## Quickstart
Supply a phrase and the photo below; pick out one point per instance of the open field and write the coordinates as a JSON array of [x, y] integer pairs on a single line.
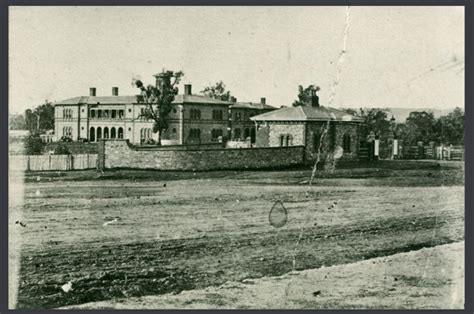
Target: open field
[[393, 282], [184, 231]]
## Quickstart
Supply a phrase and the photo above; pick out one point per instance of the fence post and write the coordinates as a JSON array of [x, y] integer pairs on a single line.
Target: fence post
[[28, 162], [49, 168]]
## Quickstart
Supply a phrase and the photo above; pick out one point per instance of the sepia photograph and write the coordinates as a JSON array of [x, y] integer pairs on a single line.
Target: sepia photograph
[[236, 157]]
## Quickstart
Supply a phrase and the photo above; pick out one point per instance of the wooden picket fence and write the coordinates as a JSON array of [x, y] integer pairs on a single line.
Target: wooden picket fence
[[53, 162]]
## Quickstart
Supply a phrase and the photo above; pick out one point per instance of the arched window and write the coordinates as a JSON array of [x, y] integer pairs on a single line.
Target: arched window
[[316, 142], [92, 135], [237, 134], [148, 134], [112, 133], [252, 135], [289, 140], [99, 133], [142, 135], [106, 132], [120, 133], [246, 133], [346, 143]]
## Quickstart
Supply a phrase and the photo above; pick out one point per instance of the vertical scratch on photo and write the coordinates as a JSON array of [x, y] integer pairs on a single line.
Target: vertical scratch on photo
[[325, 130]]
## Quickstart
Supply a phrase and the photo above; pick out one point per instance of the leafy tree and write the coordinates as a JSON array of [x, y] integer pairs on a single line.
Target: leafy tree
[[158, 100], [420, 126], [305, 94], [62, 149], [17, 122], [450, 128], [34, 145], [41, 118], [217, 91], [375, 120]]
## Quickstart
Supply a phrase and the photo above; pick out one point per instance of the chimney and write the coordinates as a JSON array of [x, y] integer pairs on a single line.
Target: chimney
[[187, 89], [263, 100], [114, 91], [92, 91], [314, 99]]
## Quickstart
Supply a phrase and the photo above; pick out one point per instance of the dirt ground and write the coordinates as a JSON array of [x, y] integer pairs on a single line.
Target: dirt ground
[[131, 234], [393, 282]]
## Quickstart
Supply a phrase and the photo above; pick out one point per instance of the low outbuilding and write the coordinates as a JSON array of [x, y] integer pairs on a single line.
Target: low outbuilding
[[332, 131]]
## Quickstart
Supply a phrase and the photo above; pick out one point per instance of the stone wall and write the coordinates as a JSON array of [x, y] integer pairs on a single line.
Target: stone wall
[[119, 154]]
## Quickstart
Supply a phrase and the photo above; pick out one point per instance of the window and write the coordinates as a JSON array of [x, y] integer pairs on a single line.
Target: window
[[217, 115], [174, 130], [106, 114], [114, 113], [238, 116], [82, 110], [252, 135], [346, 143], [237, 134], [67, 131], [195, 114], [129, 110], [99, 115], [215, 133], [92, 114], [82, 128], [283, 140], [92, 135], [145, 135], [289, 140], [67, 113], [317, 142], [120, 133], [121, 113], [246, 133], [106, 132], [99, 133], [112, 133], [129, 129]]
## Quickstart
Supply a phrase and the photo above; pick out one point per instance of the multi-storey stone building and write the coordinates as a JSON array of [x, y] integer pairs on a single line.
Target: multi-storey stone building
[[194, 119]]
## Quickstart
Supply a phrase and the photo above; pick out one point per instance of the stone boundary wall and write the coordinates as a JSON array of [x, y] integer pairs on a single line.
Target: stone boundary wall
[[120, 154]]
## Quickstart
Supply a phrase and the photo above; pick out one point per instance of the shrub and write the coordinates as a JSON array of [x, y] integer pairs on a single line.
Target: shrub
[[34, 145], [62, 149], [65, 139]]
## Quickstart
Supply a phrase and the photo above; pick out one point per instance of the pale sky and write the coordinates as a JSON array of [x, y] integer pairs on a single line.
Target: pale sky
[[406, 57]]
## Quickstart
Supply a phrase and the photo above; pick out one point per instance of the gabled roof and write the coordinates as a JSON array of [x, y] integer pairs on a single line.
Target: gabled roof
[[251, 105], [306, 113]]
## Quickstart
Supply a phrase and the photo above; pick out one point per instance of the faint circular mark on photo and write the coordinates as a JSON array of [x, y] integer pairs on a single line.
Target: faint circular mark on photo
[[278, 216]]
